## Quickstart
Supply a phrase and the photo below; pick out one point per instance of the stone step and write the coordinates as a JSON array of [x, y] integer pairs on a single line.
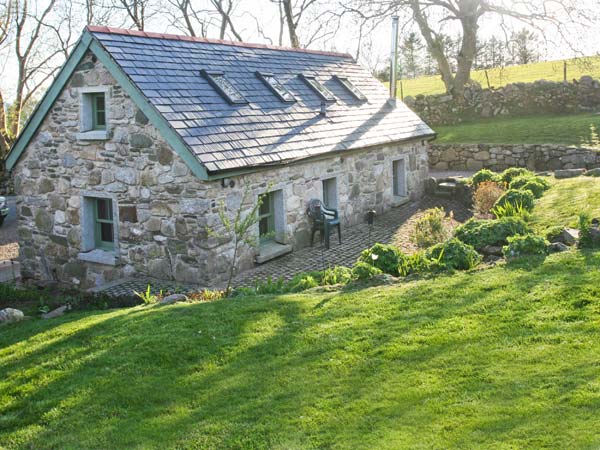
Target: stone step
[[444, 194], [446, 186]]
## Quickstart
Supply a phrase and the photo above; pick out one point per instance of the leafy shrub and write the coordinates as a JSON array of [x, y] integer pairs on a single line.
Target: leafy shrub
[[336, 275], [149, 297], [385, 257], [486, 195], [364, 271], [518, 198], [525, 245], [513, 172], [553, 233], [303, 281], [510, 210], [536, 185], [585, 232], [453, 255], [430, 229], [207, 295], [479, 233], [484, 176]]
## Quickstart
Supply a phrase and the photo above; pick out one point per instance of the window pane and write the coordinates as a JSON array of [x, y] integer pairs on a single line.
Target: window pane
[[265, 207], [106, 232], [104, 209], [263, 226], [350, 87], [323, 92], [100, 102]]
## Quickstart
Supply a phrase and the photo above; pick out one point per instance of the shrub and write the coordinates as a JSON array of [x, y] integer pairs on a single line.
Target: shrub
[[536, 185], [586, 239], [364, 271], [483, 176], [148, 297], [385, 257], [479, 233], [509, 210], [206, 295], [486, 195], [430, 229], [525, 245], [453, 255], [336, 275], [513, 172], [553, 233], [517, 198]]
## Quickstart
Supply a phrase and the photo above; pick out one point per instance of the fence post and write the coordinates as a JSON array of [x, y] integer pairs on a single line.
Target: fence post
[[565, 71]]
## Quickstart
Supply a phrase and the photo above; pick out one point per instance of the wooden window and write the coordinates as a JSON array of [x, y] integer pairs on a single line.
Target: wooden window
[[98, 112], [266, 215], [330, 193], [104, 232], [399, 177]]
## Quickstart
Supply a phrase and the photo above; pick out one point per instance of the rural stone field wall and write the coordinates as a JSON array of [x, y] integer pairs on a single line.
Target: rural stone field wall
[[515, 99], [539, 157]]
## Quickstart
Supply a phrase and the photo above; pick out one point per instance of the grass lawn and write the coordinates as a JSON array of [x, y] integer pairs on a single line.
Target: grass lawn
[[550, 70], [502, 358], [579, 129]]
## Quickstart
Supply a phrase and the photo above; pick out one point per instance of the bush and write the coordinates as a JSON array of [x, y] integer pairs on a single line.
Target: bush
[[453, 255], [336, 275], [364, 271], [586, 239], [386, 258], [525, 245], [479, 233], [517, 198], [509, 210], [553, 233], [486, 195], [483, 176], [513, 172], [536, 185], [430, 229]]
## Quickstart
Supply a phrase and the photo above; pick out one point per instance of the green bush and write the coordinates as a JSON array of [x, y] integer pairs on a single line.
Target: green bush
[[585, 234], [386, 258], [336, 275], [553, 233], [536, 185], [453, 255], [479, 233], [430, 228], [364, 271], [510, 210], [513, 172], [525, 245], [518, 199], [482, 176]]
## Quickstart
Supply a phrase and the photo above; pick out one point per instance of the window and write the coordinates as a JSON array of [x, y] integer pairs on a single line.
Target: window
[[104, 231], [266, 216], [276, 87], [94, 117], [224, 87], [321, 90], [351, 88], [330, 193], [399, 177], [98, 112]]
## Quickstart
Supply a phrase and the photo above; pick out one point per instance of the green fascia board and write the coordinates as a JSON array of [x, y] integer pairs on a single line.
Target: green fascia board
[[43, 107], [86, 42]]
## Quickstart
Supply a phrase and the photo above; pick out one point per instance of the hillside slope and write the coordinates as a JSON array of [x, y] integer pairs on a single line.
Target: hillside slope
[[501, 358]]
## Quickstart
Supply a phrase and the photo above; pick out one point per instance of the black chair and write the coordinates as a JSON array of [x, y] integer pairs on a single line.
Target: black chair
[[323, 220]]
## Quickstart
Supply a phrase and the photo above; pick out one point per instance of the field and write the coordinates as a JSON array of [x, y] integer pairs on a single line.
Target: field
[[550, 70], [577, 130]]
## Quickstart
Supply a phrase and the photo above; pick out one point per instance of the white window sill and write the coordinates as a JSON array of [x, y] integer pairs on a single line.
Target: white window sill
[[398, 200], [99, 257], [94, 135], [270, 250]]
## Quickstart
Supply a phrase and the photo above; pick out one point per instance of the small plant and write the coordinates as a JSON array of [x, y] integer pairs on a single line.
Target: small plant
[[414, 264], [431, 228], [518, 198], [364, 271], [586, 239], [525, 245], [148, 297], [206, 295], [536, 185], [453, 255], [480, 233], [483, 176], [336, 275], [513, 172], [510, 210], [486, 195], [387, 258]]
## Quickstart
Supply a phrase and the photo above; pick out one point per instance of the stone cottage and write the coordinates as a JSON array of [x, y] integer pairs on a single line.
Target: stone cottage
[[124, 163]]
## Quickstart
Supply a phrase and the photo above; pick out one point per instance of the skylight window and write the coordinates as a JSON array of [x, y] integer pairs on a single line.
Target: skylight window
[[321, 90], [224, 87], [351, 88], [278, 89]]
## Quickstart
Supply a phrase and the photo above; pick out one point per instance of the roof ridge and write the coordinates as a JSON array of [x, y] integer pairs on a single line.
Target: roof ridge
[[180, 37]]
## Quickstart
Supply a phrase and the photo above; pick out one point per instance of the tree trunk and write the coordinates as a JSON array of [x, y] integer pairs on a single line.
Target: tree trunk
[[466, 55], [289, 17]]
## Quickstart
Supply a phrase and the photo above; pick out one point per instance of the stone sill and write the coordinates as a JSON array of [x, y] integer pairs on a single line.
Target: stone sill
[[271, 250], [94, 135], [399, 201], [99, 257]]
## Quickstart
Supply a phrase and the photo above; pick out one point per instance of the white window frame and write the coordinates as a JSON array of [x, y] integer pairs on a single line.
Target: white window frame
[[399, 192], [334, 180], [279, 215], [86, 131], [89, 251]]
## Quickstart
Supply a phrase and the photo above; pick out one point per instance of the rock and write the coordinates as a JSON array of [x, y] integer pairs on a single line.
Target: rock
[[492, 259], [492, 250], [55, 313], [556, 247], [568, 173], [139, 140], [10, 315], [593, 172], [174, 298], [568, 236]]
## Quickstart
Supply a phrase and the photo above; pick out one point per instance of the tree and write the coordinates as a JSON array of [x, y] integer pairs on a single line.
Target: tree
[[411, 49], [138, 11], [524, 45]]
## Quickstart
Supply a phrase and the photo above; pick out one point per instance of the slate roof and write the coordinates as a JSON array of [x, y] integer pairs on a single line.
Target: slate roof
[[266, 130]]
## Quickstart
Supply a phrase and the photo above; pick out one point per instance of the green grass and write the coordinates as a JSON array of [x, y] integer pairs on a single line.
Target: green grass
[[578, 130], [494, 359], [550, 70], [565, 200]]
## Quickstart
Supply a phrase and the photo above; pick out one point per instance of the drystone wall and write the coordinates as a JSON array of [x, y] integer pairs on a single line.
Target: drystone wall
[[515, 99]]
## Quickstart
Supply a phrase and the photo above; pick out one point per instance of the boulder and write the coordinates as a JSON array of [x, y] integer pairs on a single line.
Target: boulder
[[568, 173], [593, 172], [491, 250], [173, 298], [568, 236], [556, 247], [10, 315], [55, 313]]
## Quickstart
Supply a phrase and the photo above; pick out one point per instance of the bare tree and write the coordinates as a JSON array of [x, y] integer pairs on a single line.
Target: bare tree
[[225, 9], [190, 19], [138, 11]]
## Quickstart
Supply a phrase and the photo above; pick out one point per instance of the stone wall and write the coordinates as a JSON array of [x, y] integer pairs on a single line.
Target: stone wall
[[162, 209], [499, 157], [515, 99]]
